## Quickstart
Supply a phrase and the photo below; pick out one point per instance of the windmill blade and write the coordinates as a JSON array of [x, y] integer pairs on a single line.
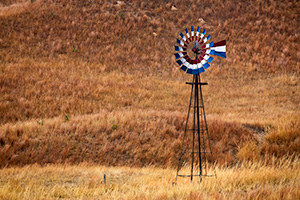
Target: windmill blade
[[184, 67], [188, 70], [199, 59], [181, 61], [198, 31], [192, 32], [208, 58], [220, 49], [177, 48], [205, 39], [187, 33], [202, 35], [183, 37], [205, 64], [208, 45], [195, 69], [180, 42], [200, 68], [192, 69], [178, 55]]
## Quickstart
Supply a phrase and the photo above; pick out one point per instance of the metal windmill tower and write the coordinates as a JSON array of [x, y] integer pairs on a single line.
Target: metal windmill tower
[[193, 55]]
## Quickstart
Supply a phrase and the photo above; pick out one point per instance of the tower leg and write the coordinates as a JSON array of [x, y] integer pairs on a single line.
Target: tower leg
[[198, 122]]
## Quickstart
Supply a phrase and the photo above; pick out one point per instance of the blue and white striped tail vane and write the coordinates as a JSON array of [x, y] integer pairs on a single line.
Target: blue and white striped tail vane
[[204, 49], [219, 48]]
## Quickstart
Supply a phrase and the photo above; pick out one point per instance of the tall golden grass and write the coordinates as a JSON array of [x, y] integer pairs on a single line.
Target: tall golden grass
[[250, 180]]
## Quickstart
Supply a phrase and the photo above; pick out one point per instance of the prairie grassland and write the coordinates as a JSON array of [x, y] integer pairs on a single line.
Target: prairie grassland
[[138, 138], [76, 58], [249, 180], [35, 89], [95, 82], [66, 112]]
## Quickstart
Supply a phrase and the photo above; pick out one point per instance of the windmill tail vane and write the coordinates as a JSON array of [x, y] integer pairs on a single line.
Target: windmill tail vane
[[204, 51], [219, 48]]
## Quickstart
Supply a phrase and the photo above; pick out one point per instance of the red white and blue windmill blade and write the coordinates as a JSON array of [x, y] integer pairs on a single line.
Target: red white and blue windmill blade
[[204, 49]]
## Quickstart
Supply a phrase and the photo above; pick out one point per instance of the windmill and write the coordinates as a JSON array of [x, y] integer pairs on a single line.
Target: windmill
[[193, 54]]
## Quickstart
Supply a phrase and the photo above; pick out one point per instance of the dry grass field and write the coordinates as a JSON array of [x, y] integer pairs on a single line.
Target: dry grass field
[[248, 181], [91, 87]]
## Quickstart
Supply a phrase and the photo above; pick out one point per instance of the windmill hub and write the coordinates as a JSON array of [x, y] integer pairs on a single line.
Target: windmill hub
[[193, 50]]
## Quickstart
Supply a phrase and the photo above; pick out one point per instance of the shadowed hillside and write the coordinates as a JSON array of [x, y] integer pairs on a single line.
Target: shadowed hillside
[[93, 80]]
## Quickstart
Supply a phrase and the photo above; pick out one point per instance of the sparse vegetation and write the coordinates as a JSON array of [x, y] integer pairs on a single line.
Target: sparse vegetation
[[95, 82]]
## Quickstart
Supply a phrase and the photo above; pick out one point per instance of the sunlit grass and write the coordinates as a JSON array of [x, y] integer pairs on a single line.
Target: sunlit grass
[[246, 181]]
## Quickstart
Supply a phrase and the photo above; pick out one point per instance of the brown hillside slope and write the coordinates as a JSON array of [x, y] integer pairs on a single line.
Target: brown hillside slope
[[54, 50], [132, 138], [71, 70]]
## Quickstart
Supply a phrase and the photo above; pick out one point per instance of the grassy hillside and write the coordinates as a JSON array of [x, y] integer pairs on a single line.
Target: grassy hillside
[[96, 81], [58, 57]]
